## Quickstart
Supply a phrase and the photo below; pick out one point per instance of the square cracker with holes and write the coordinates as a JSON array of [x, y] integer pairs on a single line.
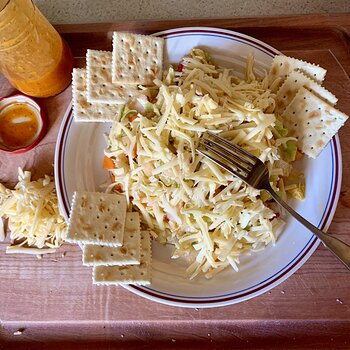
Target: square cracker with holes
[[128, 253], [97, 218], [312, 121], [84, 111], [283, 65], [291, 86], [128, 274], [136, 59], [99, 87]]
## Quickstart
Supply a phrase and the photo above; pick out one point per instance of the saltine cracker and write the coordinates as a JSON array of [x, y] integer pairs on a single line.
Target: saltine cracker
[[99, 86], [84, 111], [97, 218], [291, 86], [128, 274], [136, 59], [283, 65], [128, 253], [313, 121]]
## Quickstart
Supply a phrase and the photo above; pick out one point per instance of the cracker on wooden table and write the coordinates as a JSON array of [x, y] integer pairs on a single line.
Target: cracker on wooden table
[[128, 274], [313, 121], [291, 86], [136, 59], [85, 111], [283, 65], [97, 218], [128, 253], [100, 87]]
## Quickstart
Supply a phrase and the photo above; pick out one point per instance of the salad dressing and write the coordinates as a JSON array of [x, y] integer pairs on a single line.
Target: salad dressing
[[33, 56], [18, 125]]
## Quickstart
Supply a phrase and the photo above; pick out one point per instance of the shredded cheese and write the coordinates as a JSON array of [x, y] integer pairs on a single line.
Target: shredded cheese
[[34, 219], [211, 217]]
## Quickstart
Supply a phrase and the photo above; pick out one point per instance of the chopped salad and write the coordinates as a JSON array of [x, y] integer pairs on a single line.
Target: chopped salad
[[211, 217]]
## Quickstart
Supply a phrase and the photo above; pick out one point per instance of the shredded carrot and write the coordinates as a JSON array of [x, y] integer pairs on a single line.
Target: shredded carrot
[[134, 151], [219, 189], [117, 187], [298, 155], [108, 163], [133, 117]]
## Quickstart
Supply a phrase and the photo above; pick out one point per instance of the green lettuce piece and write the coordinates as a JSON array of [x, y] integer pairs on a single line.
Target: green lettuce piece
[[206, 219], [289, 151], [265, 196], [122, 113], [148, 106], [126, 111], [274, 179], [298, 179], [156, 110], [280, 130], [298, 193], [208, 58]]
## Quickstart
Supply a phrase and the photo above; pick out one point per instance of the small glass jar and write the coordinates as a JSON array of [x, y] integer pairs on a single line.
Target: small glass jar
[[33, 56]]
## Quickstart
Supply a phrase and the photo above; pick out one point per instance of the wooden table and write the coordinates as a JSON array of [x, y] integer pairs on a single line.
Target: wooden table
[[55, 304]]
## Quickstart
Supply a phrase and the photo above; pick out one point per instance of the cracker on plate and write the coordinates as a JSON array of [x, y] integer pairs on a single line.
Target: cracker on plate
[[100, 87], [128, 253], [128, 274], [291, 86], [97, 218], [313, 121], [283, 65], [85, 111], [136, 59]]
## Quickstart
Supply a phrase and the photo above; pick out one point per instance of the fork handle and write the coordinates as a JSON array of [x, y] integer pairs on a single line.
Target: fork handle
[[340, 249]]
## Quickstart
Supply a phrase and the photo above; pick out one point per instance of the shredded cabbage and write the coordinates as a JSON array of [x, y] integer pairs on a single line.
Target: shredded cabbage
[[210, 216]]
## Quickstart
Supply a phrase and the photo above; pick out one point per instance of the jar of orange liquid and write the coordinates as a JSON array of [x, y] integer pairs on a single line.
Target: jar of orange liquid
[[33, 56]]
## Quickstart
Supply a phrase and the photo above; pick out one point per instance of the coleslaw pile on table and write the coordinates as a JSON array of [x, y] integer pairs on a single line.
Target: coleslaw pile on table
[[210, 216]]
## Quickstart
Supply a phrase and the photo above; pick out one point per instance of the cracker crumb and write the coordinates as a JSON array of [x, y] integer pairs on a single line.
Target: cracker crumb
[[19, 331]]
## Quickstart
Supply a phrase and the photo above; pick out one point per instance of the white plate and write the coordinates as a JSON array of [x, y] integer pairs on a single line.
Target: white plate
[[78, 166]]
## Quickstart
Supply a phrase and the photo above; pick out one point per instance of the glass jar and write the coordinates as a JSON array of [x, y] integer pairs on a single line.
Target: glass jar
[[33, 56]]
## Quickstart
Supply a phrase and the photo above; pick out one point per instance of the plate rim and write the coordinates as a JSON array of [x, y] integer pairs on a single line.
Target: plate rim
[[281, 275]]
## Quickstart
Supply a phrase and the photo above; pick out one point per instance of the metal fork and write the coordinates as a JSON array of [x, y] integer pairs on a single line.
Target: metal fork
[[253, 172]]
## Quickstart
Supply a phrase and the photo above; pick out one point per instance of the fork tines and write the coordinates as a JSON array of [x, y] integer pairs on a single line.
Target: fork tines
[[233, 158]]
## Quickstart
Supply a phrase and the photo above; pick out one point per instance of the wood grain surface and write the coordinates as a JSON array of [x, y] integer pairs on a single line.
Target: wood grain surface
[[53, 302]]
